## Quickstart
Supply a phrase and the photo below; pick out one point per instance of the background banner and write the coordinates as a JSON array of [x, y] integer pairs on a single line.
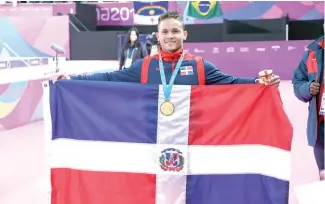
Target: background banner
[[26, 10], [25, 62], [121, 13], [33, 37], [246, 59]]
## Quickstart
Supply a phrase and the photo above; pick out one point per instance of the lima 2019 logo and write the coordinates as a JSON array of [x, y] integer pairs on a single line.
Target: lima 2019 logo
[[171, 159]]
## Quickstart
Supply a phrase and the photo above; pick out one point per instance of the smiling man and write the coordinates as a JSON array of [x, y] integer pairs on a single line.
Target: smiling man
[[172, 65]]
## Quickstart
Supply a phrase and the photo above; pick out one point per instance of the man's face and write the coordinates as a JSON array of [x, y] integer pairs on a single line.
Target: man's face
[[171, 35]]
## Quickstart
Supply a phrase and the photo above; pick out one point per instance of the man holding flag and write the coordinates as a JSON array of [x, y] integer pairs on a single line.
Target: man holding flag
[[171, 60], [150, 145]]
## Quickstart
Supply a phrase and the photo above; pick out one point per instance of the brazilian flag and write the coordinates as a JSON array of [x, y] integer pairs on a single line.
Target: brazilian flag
[[204, 9]]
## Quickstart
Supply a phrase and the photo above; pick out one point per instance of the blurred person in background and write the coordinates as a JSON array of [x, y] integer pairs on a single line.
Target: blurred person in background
[[152, 44], [132, 49], [308, 83]]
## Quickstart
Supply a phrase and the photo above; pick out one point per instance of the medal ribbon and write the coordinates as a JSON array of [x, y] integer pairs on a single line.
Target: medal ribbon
[[128, 53], [168, 88]]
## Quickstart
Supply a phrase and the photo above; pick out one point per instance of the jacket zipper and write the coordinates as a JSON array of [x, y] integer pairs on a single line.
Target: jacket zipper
[[173, 64]]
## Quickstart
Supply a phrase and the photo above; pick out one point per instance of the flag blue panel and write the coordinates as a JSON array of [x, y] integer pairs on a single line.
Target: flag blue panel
[[236, 189], [104, 111]]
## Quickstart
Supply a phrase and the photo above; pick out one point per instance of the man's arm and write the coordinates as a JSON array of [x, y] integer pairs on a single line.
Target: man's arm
[[132, 74], [300, 81], [215, 76]]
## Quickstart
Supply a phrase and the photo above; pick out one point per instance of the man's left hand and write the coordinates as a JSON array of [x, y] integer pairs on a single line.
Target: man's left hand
[[273, 81]]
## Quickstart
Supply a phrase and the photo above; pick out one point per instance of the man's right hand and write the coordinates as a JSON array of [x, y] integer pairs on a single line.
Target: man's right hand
[[314, 88], [56, 76]]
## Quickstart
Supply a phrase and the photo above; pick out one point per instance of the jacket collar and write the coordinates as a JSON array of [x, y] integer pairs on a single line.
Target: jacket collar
[[317, 45], [170, 57]]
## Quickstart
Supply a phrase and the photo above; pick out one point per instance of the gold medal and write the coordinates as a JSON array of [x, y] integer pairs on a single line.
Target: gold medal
[[167, 108]]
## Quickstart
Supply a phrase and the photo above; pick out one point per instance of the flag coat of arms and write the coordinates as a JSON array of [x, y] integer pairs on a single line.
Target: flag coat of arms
[[147, 13], [109, 143]]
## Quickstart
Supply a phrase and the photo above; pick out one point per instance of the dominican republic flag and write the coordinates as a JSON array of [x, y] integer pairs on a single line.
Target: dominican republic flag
[[109, 144], [187, 70]]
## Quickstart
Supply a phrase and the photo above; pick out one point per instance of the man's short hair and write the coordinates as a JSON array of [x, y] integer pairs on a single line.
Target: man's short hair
[[171, 14]]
